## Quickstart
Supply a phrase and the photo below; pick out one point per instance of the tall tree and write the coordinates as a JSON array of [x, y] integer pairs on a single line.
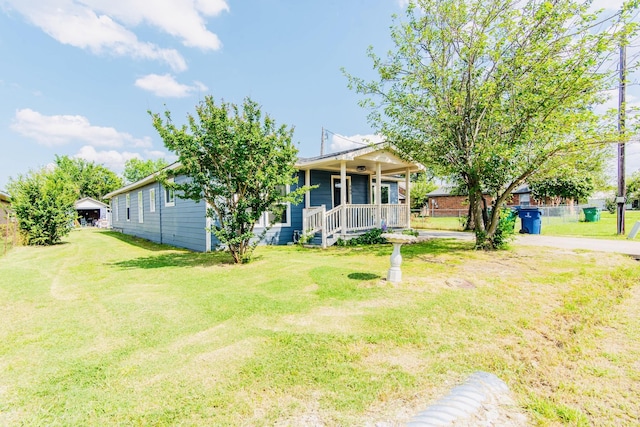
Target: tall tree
[[633, 186], [571, 177], [136, 169], [486, 92], [88, 178], [43, 204], [239, 161]]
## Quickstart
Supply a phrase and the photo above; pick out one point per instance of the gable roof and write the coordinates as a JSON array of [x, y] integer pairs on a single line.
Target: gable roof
[[144, 181], [4, 197], [363, 160], [89, 203]]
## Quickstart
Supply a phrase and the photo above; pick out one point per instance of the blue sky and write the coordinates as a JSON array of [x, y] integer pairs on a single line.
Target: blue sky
[[78, 76]]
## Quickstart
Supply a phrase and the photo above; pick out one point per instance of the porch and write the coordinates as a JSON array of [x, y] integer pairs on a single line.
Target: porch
[[345, 220], [357, 190]]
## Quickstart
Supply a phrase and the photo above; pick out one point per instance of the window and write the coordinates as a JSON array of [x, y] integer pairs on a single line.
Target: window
[[140, 207], [115, 209], [152, 200], [128, 206], [385, 192], [169, 196], [335, 184], [281, 218]]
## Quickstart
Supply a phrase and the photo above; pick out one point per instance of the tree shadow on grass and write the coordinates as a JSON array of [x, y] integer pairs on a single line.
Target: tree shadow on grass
[[137, 241], [177, 259], [363, 276]]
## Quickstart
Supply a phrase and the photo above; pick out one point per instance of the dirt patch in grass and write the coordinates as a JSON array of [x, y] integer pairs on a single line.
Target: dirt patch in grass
[[331, 319]]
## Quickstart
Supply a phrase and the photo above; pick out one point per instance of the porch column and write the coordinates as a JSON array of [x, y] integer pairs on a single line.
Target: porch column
[[343, 197], [307, 183], [407, 195], [379, 194]]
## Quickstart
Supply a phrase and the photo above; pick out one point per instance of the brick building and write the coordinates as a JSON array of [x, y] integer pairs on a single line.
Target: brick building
[[443, 203]]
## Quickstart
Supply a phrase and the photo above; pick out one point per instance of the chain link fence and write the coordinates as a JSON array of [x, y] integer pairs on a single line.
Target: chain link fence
[[550, 214]]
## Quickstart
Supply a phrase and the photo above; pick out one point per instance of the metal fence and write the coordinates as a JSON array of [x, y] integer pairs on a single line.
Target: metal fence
[[555, 214]]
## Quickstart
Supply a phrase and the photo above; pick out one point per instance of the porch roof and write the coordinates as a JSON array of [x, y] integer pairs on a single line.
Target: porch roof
[[362, 160]]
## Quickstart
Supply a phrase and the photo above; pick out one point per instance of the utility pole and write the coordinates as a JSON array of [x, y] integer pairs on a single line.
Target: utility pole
[[322, 143], [622, 191]]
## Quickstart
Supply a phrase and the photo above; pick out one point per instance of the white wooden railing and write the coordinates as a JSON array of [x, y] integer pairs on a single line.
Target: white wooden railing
[[332, 219], [313, 219], [361, 217], [358, 217]]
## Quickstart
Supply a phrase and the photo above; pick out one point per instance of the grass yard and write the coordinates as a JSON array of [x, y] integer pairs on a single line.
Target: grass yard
[[605, 228], [109, 330]]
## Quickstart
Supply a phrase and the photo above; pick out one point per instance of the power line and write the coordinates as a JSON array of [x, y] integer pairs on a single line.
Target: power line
[[346, 139]]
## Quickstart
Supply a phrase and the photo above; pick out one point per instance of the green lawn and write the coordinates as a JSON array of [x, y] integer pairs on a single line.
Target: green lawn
[[109, 330], [605, 228]]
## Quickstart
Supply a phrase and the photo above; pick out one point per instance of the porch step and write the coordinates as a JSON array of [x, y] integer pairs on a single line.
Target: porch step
[[331, 240]]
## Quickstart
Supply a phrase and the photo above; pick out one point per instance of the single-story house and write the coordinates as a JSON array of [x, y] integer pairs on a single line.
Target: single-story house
[[443, 203], [92, 212], [356, 190], [5, 207]]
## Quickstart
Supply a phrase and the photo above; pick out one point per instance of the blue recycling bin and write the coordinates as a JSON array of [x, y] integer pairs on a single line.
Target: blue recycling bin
[[531, 220]]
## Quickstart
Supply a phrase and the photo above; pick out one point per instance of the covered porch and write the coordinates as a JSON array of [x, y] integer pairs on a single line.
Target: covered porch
[[377, 169]]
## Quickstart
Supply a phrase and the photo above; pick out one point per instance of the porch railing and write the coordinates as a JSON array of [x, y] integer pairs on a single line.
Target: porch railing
[[313, 219], [358, 218]]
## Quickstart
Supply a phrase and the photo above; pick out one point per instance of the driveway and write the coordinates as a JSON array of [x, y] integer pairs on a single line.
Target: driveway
[[627, 247]]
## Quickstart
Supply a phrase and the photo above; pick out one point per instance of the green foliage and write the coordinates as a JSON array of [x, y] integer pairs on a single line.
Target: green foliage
[[487, 92], [633, 186], [503, 235], [239, 161], [562, 188], [136, 169], [88, 178], [43, 202], [611, 205], [410, 232], [570, 177], [419, 190], [371, 237]]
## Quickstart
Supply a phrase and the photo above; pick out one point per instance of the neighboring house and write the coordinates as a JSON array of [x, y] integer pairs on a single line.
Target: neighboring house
[[92, 212], [443, 203], [5, 207], [356, 190]]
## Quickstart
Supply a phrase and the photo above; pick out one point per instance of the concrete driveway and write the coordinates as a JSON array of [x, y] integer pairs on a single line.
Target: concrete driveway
[[627, 247]]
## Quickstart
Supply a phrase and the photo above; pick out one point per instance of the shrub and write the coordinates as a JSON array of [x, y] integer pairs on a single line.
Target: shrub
[[371, 237]]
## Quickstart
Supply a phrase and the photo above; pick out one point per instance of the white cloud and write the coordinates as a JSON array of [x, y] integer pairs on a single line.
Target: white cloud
[[108, 25], [341, 143], [167, 86], [112, 159], [182, 19], [115, 160], [63, 129]]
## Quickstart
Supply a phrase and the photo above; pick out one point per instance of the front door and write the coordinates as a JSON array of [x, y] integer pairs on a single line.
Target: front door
[[335, 183]]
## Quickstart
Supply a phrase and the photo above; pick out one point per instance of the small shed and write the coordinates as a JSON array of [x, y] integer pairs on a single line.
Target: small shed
[[92, 212]]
